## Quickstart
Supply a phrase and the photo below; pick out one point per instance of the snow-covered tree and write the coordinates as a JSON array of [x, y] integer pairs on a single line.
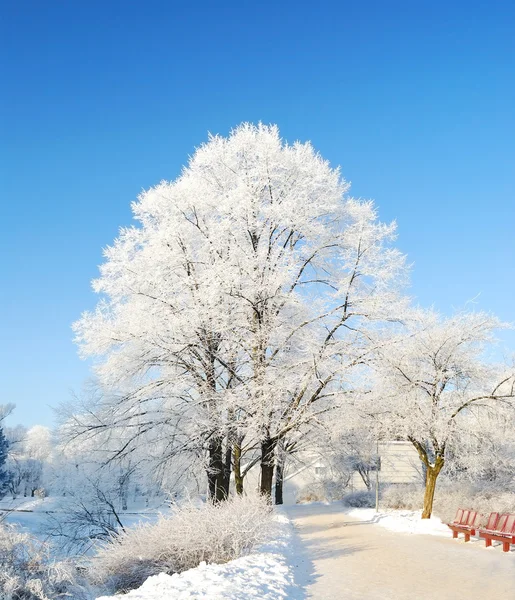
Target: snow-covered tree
[[4, 473], [430, 380], [237, 309], [5, 447], [29, 456], [484, 452], [38, 443]]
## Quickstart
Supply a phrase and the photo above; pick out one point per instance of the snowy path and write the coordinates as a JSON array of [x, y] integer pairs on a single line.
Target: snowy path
[[347, 559]]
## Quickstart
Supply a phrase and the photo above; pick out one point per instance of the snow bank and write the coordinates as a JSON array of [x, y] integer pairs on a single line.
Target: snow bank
[[261, 575], [402, 521], [265, 575]]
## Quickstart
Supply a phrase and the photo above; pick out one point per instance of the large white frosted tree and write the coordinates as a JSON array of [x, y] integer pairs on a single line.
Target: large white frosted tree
[[432, 377], [241, 300]]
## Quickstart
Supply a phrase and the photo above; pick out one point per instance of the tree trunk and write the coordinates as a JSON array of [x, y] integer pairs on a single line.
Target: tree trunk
[[431, 476], [124, 489], [279, 479], [267, 467], [215, 471], [432, 471], [227, 470], [365, 477], [238, 478]]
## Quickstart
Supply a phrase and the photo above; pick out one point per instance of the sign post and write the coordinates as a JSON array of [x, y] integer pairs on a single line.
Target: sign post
[[377, 478]]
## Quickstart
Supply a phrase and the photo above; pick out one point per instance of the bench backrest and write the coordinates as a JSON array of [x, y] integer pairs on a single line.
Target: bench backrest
[[509, 525], [501, 524], [492, 520], [471, 521], [464, 517], [459, 515]]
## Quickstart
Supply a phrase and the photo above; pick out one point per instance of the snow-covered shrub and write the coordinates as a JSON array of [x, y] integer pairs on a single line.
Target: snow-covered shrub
[[312, 492], [361, 499], [28, 572], [408, 496], [449, 496], [320, 491], [483, 498], [214, 533]]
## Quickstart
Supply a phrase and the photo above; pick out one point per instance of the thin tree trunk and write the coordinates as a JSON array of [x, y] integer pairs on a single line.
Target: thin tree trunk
[[125, 494], [227, 469], [124, 488], [429, 494], [279, 479], [267, 467], [365, 477], [238, 477]]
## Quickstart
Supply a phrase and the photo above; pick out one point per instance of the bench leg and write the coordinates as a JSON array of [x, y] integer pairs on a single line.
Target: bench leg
[[506, 546], [467, 537], [488, 542], [454, 535]]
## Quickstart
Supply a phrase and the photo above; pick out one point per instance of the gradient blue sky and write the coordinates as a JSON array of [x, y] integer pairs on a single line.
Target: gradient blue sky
[[415, 100]]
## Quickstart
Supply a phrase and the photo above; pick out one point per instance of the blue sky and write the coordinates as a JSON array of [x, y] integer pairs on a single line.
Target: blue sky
[[415, 101]]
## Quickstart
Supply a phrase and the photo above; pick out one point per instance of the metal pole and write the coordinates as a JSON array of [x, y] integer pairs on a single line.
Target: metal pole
[[377, 477]]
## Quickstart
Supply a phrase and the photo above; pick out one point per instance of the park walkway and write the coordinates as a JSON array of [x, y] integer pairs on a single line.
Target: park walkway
[[342, 558]]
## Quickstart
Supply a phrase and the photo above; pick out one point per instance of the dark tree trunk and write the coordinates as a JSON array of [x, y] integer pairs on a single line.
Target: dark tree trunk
[[267, 467], [227, 469], [279, 479], [238, 477], [215, 471], [216, 465], [365, 477]]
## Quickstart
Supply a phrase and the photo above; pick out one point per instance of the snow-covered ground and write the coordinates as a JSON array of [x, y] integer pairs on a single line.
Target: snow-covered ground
[[269, 574], [264, 575], [31, 513], [28, 513], [355, 558], [402, 521], [26, 504], [45, 518]]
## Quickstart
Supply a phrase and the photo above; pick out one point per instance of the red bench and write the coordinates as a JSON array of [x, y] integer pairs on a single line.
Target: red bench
[[466, 522], [500, 529]]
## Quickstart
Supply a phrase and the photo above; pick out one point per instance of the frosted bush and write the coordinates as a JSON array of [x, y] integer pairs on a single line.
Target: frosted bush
[[28, 572], [361, 499], [313, 492], [449, 496], [321, 491], [214, 533], [482, 498], [408, 496]]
